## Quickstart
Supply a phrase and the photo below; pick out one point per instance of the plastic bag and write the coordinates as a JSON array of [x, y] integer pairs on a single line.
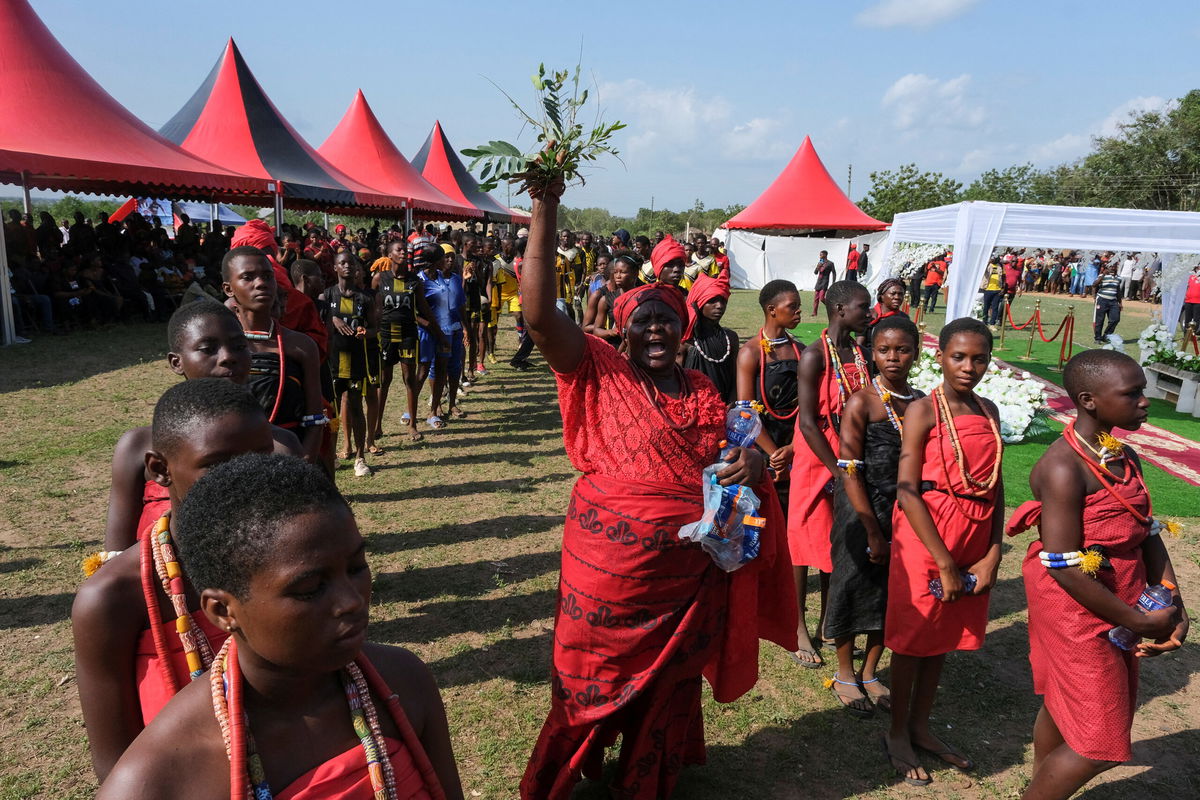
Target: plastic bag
[[729, 530]]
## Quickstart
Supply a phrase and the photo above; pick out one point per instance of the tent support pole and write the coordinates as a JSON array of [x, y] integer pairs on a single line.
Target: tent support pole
[[326, 218], [212, 215], [278, 211], [25, 194], [9, 322], [408, 219]]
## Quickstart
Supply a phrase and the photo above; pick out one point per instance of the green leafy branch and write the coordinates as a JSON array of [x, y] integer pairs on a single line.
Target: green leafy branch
[[563, 144]]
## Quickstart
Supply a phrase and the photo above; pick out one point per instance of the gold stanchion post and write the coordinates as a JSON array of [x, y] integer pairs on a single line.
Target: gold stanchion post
[[1003, 325], [1037, 310]]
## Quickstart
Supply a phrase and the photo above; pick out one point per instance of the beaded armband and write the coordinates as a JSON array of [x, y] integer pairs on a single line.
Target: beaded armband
[[850, 466], [312, 420], [1088, 561]]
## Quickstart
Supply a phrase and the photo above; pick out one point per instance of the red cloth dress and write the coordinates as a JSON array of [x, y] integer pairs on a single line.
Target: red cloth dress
[[810, 506], [155, 502], [641, 615], [153, 692], [1089, 685], [917, 623]]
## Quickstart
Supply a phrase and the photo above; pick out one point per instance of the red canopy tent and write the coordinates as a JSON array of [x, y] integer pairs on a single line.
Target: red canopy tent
[[804, 198], [360, 148], [441, 166], [231, 121], [61, 130]]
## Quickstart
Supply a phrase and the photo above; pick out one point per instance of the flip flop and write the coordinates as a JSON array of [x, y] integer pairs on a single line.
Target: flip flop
[[795, 656], [903, 773], [405, 418], [436, 422], [847, 703], [416, 436], [375, 450], [881, 701], [949, 751], [457, 413]]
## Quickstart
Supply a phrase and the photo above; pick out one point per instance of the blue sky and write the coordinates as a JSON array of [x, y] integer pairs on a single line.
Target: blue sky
[[717, 95]]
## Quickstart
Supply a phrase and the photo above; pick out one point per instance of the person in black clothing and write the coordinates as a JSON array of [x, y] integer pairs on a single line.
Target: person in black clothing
[[401, 307], [707, 347], [824, 272], [351, 318]]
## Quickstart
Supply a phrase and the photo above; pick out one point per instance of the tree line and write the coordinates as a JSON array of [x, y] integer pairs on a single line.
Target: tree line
[[1151, 162]]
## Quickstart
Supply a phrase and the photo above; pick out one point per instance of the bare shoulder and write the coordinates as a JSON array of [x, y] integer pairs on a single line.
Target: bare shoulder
[[409, 677], [991, 407], [1057, 470], [113, 594], [749, 353], [299, 345], [130, 452], [183, 740], [286, 442]]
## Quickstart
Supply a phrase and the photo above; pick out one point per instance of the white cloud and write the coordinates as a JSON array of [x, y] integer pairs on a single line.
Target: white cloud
[[919, 99], [911, 13], [1072, 145], [679, 125]]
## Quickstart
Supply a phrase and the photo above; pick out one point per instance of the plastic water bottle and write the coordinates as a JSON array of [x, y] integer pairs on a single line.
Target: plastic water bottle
[[968, 578], [1153, 598], [742, 427]]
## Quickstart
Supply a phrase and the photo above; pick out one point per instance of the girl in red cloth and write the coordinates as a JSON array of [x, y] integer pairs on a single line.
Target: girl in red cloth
[[830, 371], [945, 525], [129, 658], [641, 615], [1090, 497], [305, 709], [204, 340]]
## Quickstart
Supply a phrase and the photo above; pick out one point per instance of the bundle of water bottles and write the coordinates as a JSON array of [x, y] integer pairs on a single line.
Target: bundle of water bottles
[[730, 528]]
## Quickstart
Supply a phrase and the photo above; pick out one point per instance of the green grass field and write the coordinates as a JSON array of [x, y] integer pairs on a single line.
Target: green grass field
[[464, 531]]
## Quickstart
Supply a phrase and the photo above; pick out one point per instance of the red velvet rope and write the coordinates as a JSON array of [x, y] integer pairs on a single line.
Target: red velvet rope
[[1014, 324], [1042, 334], [1064, 350]]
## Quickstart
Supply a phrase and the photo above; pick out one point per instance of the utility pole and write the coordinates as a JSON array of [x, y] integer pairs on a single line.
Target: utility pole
[[651, 231], [849, 178]]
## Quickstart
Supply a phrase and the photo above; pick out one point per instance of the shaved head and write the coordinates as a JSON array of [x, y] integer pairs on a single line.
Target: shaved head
[[1089, 370]]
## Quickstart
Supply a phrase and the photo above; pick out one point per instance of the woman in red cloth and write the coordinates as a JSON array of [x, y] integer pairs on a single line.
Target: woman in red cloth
[[304, 707], [1090, 497], [129, 657], [641, 615], [830, 371], [945, 525]]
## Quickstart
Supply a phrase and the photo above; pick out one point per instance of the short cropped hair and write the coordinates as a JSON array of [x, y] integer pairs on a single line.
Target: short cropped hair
[[898, 322], [188, 313], [773, 290], [842, 292], [964, 325], [302, 267], [227, 525], [186, 405], [1089, 368], [244, 251]]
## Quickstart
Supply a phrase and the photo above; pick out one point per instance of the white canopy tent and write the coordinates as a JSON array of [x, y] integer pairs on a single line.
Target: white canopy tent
[[976, 228], [757, 258]]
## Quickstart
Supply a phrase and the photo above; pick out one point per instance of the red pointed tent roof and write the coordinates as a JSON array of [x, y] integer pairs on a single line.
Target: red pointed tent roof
[[65, 132], [441, 166], [231, 121], [360, 148], [804, 196]]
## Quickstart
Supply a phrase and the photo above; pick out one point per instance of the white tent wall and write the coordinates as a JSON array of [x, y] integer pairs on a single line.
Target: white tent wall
[[755, 258], [976, 228]]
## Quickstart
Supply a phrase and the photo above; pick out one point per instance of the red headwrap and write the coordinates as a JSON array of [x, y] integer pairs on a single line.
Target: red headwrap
[[705, 288], [628, 302], [665, 251], [254, 233]]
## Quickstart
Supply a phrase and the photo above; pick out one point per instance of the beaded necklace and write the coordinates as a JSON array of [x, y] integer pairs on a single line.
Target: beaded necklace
[[885, 397], [196, 647], [839, 371], [768, 346], [974, 488], [710, 359], [1107, 479], [655, 397], [261, 336], [246, 774]]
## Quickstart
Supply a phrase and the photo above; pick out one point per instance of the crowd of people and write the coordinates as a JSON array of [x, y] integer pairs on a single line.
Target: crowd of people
[[229, 606]]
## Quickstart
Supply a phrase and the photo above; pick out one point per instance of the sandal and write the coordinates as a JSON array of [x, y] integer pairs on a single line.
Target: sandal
[[375, 450], [405, 418], [941, 755], [795, 656], [883, 700], [436, 422], [415, 436], [848, 702], [904, 767]]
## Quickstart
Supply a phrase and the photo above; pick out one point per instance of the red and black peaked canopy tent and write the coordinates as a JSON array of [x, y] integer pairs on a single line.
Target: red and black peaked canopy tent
[[804, 197], [361, 148], [231, 121], [441, 166], [63, 131]]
